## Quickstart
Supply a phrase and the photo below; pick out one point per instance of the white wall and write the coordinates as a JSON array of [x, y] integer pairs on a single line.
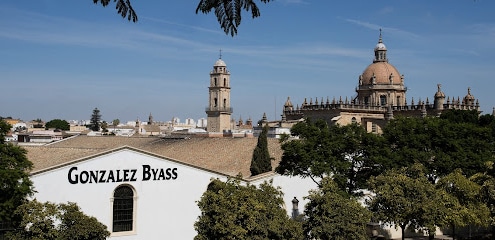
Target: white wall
[[166, 209]]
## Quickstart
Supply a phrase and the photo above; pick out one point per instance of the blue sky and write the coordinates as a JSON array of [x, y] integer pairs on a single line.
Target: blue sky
[[61, 59]]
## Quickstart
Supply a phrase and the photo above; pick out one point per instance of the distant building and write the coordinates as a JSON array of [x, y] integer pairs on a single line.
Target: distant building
[[77, 128], [11, 121], [202, 123], [40, 137], [381, 95]]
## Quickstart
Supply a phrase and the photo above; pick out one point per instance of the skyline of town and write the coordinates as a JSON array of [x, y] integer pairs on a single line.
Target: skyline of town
[[60, 61]]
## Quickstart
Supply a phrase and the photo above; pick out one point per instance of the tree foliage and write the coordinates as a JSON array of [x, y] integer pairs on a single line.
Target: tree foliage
[[347, 153], [115, 122], [47, 221], [57, 124], [440, 144], [230, 210], [95, 120], [486, 181], [261, 161], [461, 116], [228, 12], [331, 214], [405, 197], [470, 209], [14, 177], [123, 7]]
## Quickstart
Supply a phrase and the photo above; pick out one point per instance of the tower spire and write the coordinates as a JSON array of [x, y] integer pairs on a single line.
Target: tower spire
[[220, 54], [380, 50], [380, 40]]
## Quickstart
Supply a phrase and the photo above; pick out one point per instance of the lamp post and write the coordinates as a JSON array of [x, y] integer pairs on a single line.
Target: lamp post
[[295, 208]]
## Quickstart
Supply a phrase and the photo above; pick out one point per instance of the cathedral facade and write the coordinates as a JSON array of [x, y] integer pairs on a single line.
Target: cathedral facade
[[381, 95]]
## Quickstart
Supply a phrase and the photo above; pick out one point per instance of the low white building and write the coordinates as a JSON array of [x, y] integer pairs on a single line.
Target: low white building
[[147, 187]]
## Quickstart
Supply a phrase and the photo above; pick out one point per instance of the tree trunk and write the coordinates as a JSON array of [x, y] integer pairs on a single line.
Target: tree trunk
[[431, 236], [453, 231]]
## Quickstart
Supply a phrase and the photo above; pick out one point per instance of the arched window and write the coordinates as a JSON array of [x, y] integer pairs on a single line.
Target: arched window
[[353, 120], [383, 100], [225, 82], [215, 102], [123, 209]]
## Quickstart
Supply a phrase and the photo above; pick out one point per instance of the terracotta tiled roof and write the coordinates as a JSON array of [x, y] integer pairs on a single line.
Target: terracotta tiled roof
[[228, 156], [382, 72]]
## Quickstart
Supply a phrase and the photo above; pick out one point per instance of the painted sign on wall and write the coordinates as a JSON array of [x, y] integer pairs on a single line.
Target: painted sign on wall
[[147, 173]]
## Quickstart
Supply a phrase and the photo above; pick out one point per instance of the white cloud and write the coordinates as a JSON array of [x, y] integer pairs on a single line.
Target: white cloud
[[388, 30]]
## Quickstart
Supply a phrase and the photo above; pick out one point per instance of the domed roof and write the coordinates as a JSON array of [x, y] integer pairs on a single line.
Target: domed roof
[[439, 93], [382, 72], [220, 63], [380, 46], [469, 97]]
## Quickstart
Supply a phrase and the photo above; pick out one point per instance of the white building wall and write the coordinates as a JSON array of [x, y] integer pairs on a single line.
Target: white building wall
[[165, 209]]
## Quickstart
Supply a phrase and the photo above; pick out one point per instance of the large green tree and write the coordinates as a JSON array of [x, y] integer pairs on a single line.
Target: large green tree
[[471, 209], [332, 214], [50, 221], [228, 12], [406, 198], [261, 161], [348, 154], [231, 210], [440, 144], [486, 181], [95, 121], [15, 185], [57, 124]]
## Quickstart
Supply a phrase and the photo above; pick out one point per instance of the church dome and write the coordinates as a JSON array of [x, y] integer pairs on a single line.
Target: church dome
[[382, 72], [220, 63]]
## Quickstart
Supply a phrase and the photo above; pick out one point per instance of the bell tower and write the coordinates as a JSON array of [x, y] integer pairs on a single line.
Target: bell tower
[[219, 110]]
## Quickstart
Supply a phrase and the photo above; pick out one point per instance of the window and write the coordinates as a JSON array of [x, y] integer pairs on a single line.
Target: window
[[366, 100], [353, 120], [383, 100], [215, 82], [225, 82], [123, 209]]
